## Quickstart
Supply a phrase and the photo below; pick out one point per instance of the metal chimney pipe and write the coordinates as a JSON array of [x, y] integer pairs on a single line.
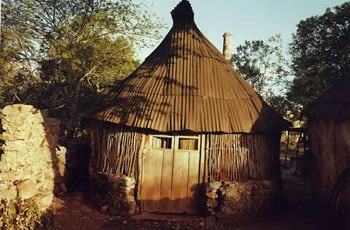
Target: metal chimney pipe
[[227, 49]]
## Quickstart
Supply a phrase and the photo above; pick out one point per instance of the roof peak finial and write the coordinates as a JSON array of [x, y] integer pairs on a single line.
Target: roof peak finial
[[182, 12]]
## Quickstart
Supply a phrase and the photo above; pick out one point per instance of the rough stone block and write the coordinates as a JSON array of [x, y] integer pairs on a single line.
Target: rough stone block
[[63, 187], [129, 182], [234, 192], [10, 176], [8, 193], [16, 145], [213, 186], [38, 116], [44, 200], [17, 109], [12, 135], [211, 195], [212, 203], [27, 189], [5, 165], [61, 160], [45, 183]]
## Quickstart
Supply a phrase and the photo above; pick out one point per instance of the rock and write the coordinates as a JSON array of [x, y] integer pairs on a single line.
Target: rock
[[63, 187], [129, 182], [227, 210], [61, 160], [7, 192], [232, 193], [38, 116], [27, 189], [131, 204], [5, 165], [15, 109], [212, 203], [16, 146], [214, 186], [211, 195], [44, 200], [47, 180]]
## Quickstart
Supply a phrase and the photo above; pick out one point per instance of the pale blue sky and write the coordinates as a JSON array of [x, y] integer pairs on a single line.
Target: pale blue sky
[[245, 19]]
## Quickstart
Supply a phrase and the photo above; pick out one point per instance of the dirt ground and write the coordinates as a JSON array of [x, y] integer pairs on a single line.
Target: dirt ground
[[296, 211]]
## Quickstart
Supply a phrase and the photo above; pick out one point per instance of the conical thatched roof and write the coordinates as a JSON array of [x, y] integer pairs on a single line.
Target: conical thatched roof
[[187, 85], [332, 105]]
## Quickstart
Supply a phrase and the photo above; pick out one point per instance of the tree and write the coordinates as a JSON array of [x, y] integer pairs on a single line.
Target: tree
[[262, 64], [320, 53], [82, 48], [16, 48]]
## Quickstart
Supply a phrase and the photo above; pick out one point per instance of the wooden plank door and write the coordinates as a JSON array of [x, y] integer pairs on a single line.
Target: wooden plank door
[[186, 179], [171, 175], [155, 191], [150, 194], [165, 187]]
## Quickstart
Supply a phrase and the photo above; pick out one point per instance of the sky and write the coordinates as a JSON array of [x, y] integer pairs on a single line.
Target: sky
[[245, 19]]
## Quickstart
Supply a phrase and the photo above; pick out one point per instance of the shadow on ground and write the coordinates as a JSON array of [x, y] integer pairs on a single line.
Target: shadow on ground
[[296, 211]]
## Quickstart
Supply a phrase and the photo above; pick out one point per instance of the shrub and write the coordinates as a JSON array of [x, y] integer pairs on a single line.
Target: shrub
[[19, 214]]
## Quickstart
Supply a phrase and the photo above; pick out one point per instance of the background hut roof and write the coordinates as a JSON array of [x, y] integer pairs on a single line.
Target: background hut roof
[[334, 104], [187, 85]]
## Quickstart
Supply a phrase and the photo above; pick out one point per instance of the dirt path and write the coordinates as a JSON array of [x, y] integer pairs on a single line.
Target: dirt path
[[73, 211]]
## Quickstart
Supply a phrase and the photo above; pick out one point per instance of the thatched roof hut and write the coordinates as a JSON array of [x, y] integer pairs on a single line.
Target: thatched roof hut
[[183, 119], [329, 131]]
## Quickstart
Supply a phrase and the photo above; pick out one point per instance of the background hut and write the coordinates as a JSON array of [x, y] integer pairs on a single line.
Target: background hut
[[185, 119], [329, 135]]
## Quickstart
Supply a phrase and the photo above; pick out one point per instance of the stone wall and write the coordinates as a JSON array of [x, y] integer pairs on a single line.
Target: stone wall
[[31, 163], [114, 194], [240, 199]]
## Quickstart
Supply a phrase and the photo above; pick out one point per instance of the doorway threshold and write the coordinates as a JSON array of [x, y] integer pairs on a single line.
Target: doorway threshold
[[166, 216]]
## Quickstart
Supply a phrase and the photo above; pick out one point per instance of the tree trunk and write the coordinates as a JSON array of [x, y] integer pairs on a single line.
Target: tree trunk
[[74, 114]]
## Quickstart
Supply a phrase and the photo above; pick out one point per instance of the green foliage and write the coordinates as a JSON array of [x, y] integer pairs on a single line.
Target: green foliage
[[16, 49], [80, 49], [285, 107], [262, 64], [320, 53], [15, 35], [19, 214]]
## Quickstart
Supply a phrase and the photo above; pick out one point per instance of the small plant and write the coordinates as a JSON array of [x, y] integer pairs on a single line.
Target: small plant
[[19, 214]]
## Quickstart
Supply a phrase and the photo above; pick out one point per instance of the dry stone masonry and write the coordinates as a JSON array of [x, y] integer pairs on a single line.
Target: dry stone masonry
[[30, 163], [114, 194], [240, 199]]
